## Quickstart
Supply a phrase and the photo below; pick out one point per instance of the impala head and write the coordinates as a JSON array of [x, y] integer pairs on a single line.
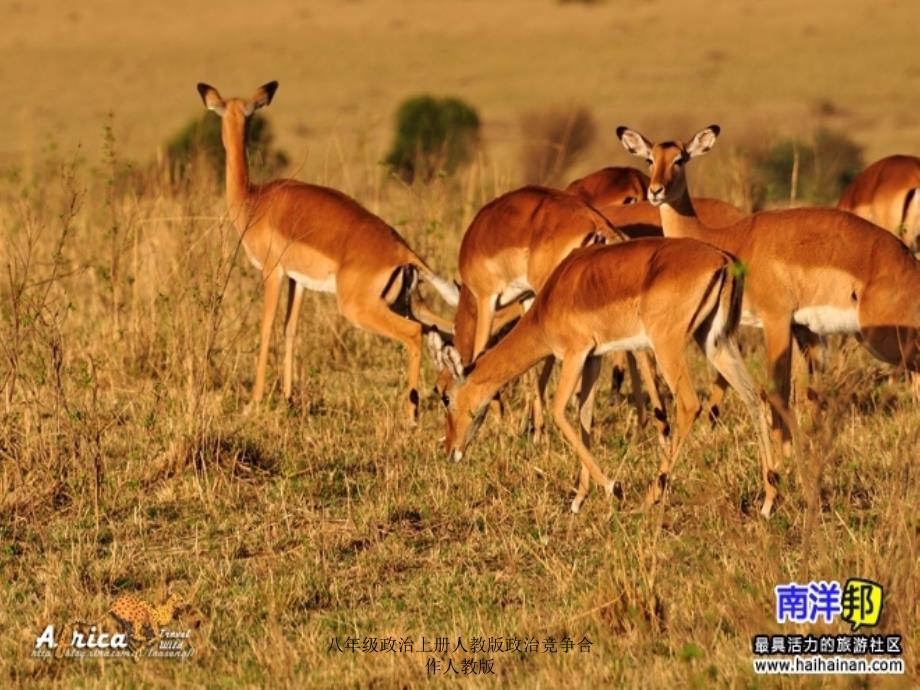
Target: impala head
[[666, 160], [235, 111], [465, 407]]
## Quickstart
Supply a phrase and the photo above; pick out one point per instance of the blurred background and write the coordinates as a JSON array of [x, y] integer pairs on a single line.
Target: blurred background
[[548, 80]]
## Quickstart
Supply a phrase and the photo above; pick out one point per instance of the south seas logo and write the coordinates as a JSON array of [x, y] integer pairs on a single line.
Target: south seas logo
[[132, 629]]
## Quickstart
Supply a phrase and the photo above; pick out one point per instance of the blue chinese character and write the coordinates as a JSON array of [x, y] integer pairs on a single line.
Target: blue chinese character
[[825, 600], [791, 603]]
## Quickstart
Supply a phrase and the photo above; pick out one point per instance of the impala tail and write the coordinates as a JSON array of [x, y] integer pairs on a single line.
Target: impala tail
[[402, 296], [720, 308], [448, 291]]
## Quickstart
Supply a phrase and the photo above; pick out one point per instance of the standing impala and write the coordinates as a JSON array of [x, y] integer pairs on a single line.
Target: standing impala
[[887, 193], [823, 269], [649, 293], [319, 239]]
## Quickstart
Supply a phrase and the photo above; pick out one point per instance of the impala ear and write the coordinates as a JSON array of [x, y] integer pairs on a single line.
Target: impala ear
[[634, 142], [703, 141], [436, 347], [262, 97], [212, 99], [453, 362]]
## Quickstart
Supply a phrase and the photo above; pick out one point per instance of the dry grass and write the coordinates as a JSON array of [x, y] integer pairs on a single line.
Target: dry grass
[[130, 326], [129, 335]]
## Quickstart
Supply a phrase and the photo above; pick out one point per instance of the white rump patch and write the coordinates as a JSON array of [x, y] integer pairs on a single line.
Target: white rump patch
[[825, 320], [317, 285], [636, 342]]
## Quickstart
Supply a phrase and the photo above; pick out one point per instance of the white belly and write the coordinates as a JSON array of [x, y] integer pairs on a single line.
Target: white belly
[[825, 320], [317, 285], [635, 342]]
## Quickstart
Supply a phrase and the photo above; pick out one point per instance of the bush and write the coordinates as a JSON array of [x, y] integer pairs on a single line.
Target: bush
[[827, 163], [200, 139], [553, 141], [432, 135]]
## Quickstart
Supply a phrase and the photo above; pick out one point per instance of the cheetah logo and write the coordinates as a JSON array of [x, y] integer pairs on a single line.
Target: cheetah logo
[[139, 621], [141, 627]]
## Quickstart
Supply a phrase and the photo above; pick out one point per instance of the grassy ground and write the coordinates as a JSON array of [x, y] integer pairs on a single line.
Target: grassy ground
[[129, 334], [128, 466]]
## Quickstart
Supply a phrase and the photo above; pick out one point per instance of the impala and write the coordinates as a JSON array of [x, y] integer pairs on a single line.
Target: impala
[[507, 253], [514, 243], [649, 293], [320, 239], [611, 186], [887, 193], [821, 269]]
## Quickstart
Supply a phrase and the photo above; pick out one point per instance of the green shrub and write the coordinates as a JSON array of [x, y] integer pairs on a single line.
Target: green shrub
[[432, 135], [200, 138], [827, 162]]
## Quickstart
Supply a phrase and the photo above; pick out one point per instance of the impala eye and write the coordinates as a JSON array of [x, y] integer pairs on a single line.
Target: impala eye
[[650, 162], [445, 400], [678, 162]]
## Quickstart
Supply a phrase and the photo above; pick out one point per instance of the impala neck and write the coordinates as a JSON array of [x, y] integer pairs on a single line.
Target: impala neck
[[517, 352], [237, 168], [679, 219]]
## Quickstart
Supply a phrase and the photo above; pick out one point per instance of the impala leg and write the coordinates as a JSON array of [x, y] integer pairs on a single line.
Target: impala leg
[[589, 378], [638, 399], [377, 317], [617, 375], [728, 361], [897, 345], [295, 297], [778, 336], [539, 391], [568, 378], [272, 291], [674, 368], [812, 349], [646, 363], [716, 396], [485, 313]]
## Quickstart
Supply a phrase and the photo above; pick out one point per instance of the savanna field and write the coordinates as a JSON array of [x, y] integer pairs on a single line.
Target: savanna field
[[129, 320]]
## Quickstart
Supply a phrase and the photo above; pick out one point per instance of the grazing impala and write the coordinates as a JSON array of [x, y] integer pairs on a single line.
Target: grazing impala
[[320, 239], [649, 293], [507, 253], [822, 269], [887, 193]]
